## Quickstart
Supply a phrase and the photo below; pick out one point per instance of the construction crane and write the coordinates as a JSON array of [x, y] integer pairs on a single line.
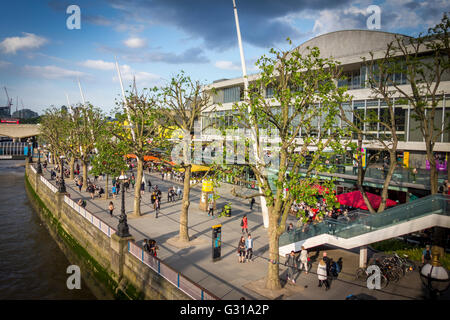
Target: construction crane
[[6, 110]]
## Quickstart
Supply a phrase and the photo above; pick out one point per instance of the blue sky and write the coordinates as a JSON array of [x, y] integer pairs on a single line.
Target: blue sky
[[41, 59]]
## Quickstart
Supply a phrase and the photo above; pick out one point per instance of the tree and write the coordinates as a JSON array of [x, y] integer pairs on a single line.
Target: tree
[[183, 102], [426, 64], [304, 95], [141, 134], [379, 80], [53, 131], [109, 159]]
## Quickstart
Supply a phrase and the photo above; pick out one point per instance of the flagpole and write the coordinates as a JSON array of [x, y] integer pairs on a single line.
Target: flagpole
[[264, 210]]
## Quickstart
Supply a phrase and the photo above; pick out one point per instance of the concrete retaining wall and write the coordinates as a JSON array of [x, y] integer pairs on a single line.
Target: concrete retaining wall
[[107, 267]]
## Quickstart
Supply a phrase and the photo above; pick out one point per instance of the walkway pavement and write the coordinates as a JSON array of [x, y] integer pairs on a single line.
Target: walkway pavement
[[227, 278]]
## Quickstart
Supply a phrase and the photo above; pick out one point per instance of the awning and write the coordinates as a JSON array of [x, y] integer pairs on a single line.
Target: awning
[[355, 199], [196, 168]]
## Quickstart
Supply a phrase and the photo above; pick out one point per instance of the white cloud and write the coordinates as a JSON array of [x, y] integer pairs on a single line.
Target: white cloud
[[98, 64], [226, 65], [4, 64], [135, 42], [142, 78], [229, 65], [52, 72], [28, 41]]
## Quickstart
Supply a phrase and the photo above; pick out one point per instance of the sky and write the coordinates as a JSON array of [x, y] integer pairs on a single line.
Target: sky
[[153, 40]]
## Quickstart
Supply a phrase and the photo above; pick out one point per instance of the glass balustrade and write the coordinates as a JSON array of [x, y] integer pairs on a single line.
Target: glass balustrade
[[364, 223]]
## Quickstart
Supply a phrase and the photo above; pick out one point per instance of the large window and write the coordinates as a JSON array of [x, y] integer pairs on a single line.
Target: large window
[[232, 94]]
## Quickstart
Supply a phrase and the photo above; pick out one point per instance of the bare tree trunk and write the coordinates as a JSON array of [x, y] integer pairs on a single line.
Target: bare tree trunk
[[273, 274], [387, 180], [106, 187], [433, 169], [85, 172], [361, 174], [137, 188], [184, 229], [71, 168]]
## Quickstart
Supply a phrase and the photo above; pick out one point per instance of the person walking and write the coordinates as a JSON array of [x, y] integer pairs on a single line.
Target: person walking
[[179, 193], [114, 191], [142, 188], [157, 207], [244, 224], [292, 265], [80, 185], [252, 202], [111, 208], [211, 208], [149, 183], [133, 180], [241, 250], [426, 255], [322, 274], [249, 247], [304, 259]]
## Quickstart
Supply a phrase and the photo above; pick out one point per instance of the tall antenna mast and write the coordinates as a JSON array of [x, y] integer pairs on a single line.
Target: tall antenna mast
[[264, 209]]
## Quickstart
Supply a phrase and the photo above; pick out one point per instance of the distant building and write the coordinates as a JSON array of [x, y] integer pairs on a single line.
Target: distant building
[[25, 114]]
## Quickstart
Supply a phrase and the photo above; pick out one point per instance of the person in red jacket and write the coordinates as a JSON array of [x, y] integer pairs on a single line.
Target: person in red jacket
[[244, 224]]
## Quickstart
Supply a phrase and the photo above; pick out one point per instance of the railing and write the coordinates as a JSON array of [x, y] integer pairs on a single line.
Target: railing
[[33, 169], [49, 185], [183, 283], [13, 148], [433, 204], [98, 223]]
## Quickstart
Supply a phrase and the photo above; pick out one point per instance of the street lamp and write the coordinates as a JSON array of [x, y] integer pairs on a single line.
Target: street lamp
[[62, 186], [435, 277], [122, 228], [39, 167]]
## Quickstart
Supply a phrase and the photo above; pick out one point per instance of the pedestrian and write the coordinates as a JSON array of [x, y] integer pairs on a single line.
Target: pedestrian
[[426, 255], [249, 247], [133, 180], [241, 250], [211, 208], [244, 224], [292, 265], [146, 246], [290, 227], [91, 190], [111, 208], [114, 191], [179, 192], [252, 202], [322, 274], [157, 207], [304, 259], [142, 188], [80, 185], [153, 247]]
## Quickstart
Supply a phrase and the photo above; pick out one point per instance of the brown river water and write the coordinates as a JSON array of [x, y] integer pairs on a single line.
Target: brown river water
[[32, 266]]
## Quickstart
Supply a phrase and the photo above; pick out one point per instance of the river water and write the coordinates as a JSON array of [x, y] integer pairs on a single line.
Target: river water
[[31, 264]]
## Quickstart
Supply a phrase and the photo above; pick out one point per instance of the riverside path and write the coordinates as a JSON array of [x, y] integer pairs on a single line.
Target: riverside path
[[227, 278]]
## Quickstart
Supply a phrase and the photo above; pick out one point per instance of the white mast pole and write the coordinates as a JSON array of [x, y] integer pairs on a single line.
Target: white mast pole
[[265, 211], [125, 101]]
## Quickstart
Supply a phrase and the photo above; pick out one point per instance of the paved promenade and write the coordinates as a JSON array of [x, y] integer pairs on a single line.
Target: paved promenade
[[227, 278]]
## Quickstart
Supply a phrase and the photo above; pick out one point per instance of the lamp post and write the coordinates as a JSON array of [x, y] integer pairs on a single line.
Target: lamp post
[[39, 167], [62, 186], [122, 228], [435, 277]]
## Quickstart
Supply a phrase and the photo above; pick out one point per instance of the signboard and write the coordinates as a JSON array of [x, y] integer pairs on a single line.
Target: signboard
[[216, 241], [406, 159], [207, 186]]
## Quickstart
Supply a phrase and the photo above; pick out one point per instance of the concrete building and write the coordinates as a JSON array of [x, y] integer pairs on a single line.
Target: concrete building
[[349, 47]]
